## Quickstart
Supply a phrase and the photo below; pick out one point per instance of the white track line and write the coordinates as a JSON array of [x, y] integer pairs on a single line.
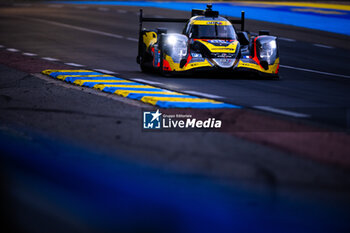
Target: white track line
[[103, 9], [323, 46], [132, 39], [145, 81], [30, 54], [105, 71], [12, 50], [1, 46], [50, 59], [281, 111], [286, 39], [77, 28], [315, 71], [203, 94], [122, 11], [74, 64]]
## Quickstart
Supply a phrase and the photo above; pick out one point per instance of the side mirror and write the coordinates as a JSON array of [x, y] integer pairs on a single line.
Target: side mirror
[[161, 31], [264, 33]]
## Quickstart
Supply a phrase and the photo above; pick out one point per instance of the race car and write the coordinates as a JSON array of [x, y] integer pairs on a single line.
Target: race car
[[208, 42]]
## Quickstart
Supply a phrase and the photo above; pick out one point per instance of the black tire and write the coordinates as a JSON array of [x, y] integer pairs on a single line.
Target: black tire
[[268, 76], [274, 77], [144, 68], [146, 62]]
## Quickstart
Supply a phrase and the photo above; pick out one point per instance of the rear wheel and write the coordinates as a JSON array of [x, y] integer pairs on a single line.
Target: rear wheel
[[144, 68], [146, 62]]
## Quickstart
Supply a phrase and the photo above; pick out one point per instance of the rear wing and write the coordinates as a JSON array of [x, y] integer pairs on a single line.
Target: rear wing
[[239, 21], [174, 20]]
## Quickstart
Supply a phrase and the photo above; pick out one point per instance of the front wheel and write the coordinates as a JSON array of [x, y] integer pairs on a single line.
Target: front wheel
[[269, 76], [144, 68]]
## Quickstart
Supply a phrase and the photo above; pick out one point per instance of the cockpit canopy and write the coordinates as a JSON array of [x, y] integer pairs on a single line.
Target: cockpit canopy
[[200, 27]]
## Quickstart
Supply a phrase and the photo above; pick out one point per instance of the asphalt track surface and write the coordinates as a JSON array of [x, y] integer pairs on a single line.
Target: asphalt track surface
[[314, 76], [314, 88]]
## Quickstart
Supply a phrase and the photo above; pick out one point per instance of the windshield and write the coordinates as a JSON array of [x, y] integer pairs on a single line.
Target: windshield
[[213, 32]]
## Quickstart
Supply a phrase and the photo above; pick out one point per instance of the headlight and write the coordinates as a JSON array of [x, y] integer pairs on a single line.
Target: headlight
[[171, 40], [176, 46], [268, 50]]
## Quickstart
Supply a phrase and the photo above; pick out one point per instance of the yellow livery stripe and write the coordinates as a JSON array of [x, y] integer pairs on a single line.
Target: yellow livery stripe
[[209, 22], [271, 70], [149, 38]]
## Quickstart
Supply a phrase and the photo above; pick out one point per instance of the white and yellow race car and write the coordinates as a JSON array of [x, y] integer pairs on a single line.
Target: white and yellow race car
[[208, 42]]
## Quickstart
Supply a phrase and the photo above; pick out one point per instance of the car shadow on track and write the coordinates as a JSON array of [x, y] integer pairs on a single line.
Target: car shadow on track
[[214, 75]]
